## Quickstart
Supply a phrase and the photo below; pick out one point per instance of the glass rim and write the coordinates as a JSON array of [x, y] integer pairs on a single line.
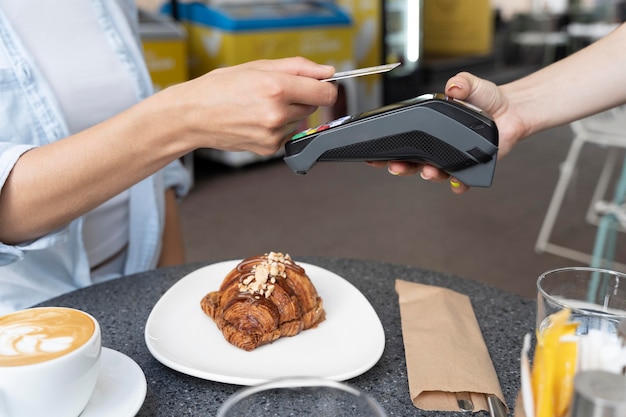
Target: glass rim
[[578, 310], [298, 382]]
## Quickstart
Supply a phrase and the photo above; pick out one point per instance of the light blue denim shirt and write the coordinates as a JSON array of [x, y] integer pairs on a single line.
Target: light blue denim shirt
[[34, 271]]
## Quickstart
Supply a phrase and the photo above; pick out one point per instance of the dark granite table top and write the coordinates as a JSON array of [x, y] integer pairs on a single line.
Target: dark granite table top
[[123, 305]]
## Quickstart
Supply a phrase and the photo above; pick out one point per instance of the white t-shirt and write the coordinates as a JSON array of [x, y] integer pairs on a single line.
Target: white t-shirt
[[90, 84]]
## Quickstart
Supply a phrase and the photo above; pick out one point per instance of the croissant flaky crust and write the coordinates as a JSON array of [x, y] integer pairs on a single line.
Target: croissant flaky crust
[[264, 298]]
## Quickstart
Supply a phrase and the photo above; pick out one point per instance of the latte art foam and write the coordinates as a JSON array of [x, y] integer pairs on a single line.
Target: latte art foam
[[41, 334]]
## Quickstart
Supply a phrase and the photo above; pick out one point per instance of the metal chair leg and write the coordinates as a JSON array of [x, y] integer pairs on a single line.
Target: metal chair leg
[[606, 236]]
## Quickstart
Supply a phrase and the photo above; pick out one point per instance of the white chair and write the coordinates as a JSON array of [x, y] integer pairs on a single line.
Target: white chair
[[606, 129]]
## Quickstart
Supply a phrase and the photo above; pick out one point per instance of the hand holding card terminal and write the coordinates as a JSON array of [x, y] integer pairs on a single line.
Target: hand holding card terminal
[[432, 128]]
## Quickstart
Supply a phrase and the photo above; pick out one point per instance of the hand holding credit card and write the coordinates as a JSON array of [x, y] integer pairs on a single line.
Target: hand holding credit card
[[362, 71]]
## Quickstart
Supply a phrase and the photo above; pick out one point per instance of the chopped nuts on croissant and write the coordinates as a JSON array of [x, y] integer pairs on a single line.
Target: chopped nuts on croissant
[[264, 298]]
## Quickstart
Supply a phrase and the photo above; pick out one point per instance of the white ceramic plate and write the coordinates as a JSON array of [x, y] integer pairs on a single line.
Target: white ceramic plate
[[121, 387], [349, 342]]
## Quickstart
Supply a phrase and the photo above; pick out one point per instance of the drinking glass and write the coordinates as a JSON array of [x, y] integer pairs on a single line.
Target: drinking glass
[[300, 397], [596, 298]]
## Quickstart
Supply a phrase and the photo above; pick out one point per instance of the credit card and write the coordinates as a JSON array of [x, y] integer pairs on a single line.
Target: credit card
[[362, 71]]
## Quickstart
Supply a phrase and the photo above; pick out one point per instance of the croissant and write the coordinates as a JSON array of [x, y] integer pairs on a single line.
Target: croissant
[[264, 298]]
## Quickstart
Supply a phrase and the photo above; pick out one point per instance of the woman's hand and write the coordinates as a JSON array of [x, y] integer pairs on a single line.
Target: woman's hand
[[255, 106], [493, 101]]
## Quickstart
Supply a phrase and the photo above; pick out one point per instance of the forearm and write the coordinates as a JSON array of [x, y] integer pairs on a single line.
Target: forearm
[[253, 107], [51, 185], [584, 83]]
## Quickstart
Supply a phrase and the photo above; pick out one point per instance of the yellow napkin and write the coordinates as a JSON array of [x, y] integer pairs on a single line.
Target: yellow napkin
[[444, 348]]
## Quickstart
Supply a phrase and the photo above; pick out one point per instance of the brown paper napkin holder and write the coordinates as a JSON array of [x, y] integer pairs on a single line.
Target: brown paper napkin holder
[[444, 348]]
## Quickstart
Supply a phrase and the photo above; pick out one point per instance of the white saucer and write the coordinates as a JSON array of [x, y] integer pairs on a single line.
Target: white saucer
[[121, 387]]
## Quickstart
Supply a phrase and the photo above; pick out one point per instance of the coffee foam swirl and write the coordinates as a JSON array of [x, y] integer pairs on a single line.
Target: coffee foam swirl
[[41, 334]]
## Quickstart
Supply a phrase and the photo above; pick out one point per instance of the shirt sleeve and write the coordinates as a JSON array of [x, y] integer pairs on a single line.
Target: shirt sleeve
[[176, 176], [9, 154]]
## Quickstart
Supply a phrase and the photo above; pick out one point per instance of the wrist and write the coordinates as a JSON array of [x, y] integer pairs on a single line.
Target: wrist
[[165, 120]]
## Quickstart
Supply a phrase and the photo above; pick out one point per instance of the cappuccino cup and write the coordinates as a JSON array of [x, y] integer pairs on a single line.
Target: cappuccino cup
[[49, 362]]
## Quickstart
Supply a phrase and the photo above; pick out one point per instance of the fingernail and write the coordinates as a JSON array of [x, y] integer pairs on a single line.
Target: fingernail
[[389, 170], [424, 177], [454, 183], [453, 85]]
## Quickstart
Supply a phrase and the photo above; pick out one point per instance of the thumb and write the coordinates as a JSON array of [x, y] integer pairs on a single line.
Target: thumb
[[477, 91], [461, 85]]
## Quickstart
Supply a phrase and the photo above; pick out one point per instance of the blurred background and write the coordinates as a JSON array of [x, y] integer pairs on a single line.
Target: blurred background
[[556, 201]]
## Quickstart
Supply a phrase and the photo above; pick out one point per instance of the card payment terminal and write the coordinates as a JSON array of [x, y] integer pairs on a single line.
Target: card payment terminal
[[432, 128]]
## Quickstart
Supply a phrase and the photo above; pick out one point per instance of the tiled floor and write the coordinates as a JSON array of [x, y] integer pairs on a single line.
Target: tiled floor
[[353, 210]]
